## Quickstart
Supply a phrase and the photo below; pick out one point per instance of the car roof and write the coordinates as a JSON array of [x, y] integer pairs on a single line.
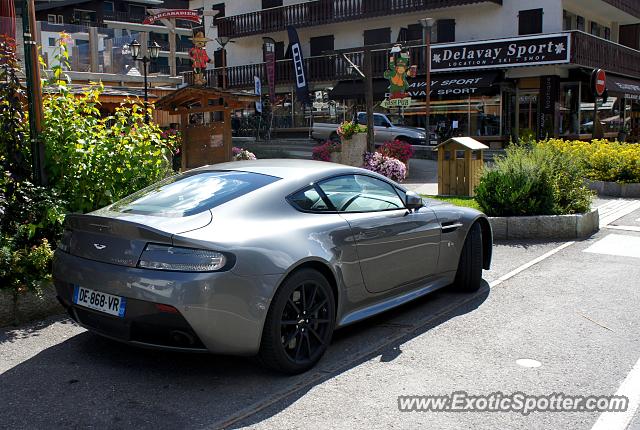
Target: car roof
[[284, 168]]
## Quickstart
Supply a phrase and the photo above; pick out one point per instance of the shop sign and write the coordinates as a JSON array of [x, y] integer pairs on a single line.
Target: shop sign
[[184, 14], [399, 69], [500, 53], [466, 85]]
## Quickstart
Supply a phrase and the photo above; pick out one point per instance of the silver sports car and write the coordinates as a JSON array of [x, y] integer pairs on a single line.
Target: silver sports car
[[262, 258]]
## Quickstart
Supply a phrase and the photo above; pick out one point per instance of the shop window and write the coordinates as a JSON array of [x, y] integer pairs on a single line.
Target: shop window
[[580, 23], [445, 31], [320, 44], [569, 124], [377, 36], [266, 4], [530, 21]]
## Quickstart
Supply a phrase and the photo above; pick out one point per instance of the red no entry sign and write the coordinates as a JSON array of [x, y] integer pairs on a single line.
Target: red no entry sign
[[599, 81]]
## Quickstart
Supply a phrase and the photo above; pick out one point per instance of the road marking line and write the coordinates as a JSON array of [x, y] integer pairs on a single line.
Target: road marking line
[[623, 227], [617, 244], [533, 262], [630, 388], [621, 211]]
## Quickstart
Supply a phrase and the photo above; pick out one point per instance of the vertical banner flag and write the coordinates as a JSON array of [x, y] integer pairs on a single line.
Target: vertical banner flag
[[258, 91], [270, 60], [302, 88], [8, 19]]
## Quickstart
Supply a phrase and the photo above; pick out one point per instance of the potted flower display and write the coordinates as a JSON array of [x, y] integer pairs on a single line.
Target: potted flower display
[[242, 154], [390, 167], [354, 142]]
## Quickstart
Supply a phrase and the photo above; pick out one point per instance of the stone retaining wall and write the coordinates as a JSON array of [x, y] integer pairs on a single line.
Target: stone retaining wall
[[546, 226], [30, 307], [615, 189]]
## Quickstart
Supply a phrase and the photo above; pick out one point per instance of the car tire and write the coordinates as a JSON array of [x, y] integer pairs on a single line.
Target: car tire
[[299, 323], [469, 274]]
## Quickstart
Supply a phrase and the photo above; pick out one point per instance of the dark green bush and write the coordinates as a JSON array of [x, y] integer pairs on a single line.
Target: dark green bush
[[533, 180]]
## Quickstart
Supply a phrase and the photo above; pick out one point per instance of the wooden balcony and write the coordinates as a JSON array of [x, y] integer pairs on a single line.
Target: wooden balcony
[[586, 51], [631, 7], [590, 51], [321, 12]]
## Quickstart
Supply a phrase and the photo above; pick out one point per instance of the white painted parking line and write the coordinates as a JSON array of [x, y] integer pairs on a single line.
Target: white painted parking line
[[533, 262], [623, 227], [612, 211], [629, 388], [617, 244]]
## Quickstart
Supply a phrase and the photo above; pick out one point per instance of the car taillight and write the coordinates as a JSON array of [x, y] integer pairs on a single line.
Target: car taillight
[[65, 241], [174, 258]]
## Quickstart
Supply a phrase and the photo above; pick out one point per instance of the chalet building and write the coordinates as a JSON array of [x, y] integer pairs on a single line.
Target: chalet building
[[500, 68], [116, 23]]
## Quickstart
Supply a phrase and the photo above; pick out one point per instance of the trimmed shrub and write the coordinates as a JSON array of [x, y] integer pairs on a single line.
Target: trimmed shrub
[[533, 180]]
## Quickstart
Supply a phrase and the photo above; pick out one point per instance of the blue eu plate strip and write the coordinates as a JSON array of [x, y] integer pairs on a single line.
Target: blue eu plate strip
[[123, 305], [75, 293]]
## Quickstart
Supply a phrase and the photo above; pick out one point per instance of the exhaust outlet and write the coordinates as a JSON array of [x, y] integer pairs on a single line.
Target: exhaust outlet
[[182, 338]]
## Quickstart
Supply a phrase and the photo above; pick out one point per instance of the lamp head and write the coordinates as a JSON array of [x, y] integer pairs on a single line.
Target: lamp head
[[135, 49], [154, 50]]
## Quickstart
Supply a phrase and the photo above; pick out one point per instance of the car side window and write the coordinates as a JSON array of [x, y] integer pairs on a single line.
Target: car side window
[[379, 121], [360, 193], [308, 199]]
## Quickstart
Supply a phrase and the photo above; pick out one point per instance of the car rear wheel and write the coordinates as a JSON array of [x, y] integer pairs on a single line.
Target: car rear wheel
[[469, 274], [299, 323]]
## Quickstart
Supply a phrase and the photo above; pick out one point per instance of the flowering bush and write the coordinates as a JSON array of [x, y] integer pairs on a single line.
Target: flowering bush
[[397, 149], [323, 152], [390, 167], [242, 154], [347, 129]]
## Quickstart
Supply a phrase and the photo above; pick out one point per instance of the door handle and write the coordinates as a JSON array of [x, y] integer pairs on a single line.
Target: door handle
[[450, 226]]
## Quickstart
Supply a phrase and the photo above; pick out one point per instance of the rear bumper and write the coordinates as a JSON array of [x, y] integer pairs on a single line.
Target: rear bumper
[[223, 312]]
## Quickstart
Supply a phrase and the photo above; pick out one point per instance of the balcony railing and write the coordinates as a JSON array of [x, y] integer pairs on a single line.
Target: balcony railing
[[320, 12], [591, 51], [632, 7], [124, 17], [586, 50]]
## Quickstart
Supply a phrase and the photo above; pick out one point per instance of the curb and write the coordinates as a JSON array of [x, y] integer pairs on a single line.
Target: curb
[[576, 226], [614, 189]]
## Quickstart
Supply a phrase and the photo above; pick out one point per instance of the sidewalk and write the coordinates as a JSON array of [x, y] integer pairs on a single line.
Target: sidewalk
[[423, 176]]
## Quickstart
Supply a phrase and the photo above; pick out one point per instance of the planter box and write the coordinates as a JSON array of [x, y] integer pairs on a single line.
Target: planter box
[[577, 226], [615, 189], [335, 157], [353, 149], [30, 306]]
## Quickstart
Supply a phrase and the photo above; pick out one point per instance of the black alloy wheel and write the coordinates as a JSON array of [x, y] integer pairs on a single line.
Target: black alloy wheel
[[299, 324]]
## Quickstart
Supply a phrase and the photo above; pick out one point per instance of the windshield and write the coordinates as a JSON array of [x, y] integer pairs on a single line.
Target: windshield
[[192, 193]]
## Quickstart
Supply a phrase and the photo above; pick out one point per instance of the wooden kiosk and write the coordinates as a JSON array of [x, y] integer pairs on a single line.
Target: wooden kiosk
[[460, 160], [205, 122]]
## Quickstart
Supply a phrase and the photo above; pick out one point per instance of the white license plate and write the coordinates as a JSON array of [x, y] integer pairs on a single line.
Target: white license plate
[[103, 302]]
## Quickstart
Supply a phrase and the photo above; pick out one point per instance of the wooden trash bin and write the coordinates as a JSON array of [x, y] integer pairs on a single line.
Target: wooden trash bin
[[460, 160]]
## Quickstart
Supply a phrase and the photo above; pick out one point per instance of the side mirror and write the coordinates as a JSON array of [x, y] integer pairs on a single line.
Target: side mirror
[[413, 201]]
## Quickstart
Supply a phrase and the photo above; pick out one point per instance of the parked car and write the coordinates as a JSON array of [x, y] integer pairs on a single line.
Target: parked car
[[263, 258], [384, 131]]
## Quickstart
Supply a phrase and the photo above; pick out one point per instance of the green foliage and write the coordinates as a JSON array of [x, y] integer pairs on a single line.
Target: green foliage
[[533, 180], [602, 160], [94, 160], [467, 202]]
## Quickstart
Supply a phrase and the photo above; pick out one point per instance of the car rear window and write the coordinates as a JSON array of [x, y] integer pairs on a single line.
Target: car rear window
[[192, 193]]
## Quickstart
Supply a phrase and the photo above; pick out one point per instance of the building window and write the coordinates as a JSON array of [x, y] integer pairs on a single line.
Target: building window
[[55, 19], [320, 44], [580, 23], [530, 21], [60, 19], [52, 41], [377, 36], [266, 4], [595, 29], [107, 7], [220, 8], [567, 21], [607, 33], [445, 30]]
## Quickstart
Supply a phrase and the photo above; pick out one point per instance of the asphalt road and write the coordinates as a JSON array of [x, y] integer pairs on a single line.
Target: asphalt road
[[575, 312]]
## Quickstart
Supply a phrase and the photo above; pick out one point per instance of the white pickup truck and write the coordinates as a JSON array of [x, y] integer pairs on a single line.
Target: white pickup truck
[[384, 131]]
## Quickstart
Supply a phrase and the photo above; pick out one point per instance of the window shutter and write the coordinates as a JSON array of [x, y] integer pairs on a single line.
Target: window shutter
[[446, 30]]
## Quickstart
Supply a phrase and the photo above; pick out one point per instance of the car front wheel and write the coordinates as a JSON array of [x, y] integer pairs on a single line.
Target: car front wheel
[[299, 323]]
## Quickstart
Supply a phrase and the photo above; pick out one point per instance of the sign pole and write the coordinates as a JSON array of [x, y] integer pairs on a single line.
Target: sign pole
[[368, 72]]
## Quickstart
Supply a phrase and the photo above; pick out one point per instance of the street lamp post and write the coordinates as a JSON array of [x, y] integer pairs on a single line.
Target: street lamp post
[[154, 52], [427, 25], [223, 41]]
